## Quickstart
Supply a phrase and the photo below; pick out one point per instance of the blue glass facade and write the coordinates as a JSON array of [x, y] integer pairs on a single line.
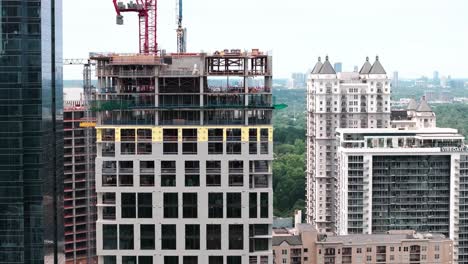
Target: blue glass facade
[[31, 137]]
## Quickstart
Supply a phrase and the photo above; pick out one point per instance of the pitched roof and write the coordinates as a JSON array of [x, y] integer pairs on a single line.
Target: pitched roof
[[412, 105], [423, 106], [327, 68], [377, 68], [366, 67], [318, 66], [291, 240]]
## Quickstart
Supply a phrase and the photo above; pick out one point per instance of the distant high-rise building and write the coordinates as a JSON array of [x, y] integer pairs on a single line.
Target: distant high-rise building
[[395, 81], [356, 68], [338, 66], [298, 80], [184, 158], [338, 100], [31, 132], [435, 77], [444, 83]]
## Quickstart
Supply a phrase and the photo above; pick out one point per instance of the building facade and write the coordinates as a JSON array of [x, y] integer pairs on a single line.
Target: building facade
[[31, 132], [394, 247], [354, 100], [302, 244], [184, 152], [403, 179], [79, 184]]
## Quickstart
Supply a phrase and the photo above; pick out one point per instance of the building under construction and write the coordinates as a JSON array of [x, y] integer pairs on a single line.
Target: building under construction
[[184, 153], [79, 187]]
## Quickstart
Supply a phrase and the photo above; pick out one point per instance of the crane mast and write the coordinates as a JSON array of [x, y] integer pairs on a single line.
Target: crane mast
[[147, 15], [181, 31]]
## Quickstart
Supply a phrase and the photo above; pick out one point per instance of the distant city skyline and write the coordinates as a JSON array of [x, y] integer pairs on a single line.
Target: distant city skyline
[[413, 47]]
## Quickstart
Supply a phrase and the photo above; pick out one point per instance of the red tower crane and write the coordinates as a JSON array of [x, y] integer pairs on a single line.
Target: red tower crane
[[147, 15]]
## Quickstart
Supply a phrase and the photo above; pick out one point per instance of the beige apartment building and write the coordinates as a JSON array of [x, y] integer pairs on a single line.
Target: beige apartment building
[[304, 245]]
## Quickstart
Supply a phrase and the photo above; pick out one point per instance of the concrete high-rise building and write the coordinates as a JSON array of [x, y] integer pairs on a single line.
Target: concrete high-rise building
[[79, 188], [338, 66], [31, 132], [395, 80], [184, 153], [403, 179], [354, 100]]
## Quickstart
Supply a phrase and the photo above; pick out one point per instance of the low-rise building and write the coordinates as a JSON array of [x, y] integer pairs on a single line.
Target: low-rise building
[[302, 244]]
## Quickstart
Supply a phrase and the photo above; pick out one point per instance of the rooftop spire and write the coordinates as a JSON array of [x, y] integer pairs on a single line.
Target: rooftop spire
[[327, 68], [366, 67], [377, 68], [318, 66]]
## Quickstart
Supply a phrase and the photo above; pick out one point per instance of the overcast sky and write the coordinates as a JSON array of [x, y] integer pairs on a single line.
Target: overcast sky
[[414, 37]]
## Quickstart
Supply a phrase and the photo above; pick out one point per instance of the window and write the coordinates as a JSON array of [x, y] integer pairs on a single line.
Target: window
[[215, 260], [215, 205], [128, 205], [234, 205], [264, 148], [145, 205], [436, 247], [213, 180], [215, 148], [147, 237], [192, 237], [145, 260], [213, 173], [392, 249], [129, 260], [236, 237], [252, 205], [213, 237], [192, 173], [234, 260], [125, 236], [392, 257], [144, 148], [171, 260], [436, 256], [190, 260], [264, 205], [110, 260], [168, 237], [369, 249], [170, 148], [253, 148], [233, 148], [189, 148], [127, 148], [359, 250], [236, 180], [168, 171], [171, 205], [190, 205], [369, 258], [108, 213], [109, 236], [146, 173]]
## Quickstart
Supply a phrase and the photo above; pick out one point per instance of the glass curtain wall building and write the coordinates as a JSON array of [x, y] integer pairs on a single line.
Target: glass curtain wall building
[[31, 133]]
